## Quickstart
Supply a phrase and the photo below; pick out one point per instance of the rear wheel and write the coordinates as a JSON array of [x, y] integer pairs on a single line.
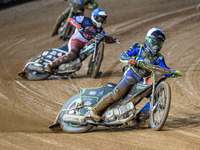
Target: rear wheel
[[34, 75], [65, 29], [68, 32], [69, 127], [159, 112], [94, 67]]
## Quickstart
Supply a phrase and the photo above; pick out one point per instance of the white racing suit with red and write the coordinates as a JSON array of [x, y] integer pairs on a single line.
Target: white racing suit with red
[[132, 76], [79, 39]]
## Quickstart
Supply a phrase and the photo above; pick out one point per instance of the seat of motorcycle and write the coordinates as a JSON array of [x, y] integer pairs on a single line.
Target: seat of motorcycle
[[111, 85], [90, 96], [64, 47]]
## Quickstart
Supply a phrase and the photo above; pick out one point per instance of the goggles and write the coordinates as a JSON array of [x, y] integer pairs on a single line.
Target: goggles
[[100, 19], [157, 43]]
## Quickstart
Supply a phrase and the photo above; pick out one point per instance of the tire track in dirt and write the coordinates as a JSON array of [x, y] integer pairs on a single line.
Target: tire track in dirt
[[129, 25]]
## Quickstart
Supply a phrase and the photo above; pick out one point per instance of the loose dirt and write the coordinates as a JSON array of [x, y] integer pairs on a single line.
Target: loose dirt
[[27, 108]]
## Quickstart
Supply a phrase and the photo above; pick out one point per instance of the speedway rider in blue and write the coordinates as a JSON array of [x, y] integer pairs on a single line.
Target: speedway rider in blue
[[148, 52]]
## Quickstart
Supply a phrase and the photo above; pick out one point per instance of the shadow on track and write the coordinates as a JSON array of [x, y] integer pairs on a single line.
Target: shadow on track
[[183, 122]]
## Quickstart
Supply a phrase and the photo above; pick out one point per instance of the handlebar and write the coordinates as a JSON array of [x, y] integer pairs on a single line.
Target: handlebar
[[155, 68], [93, 34], [72, 2], [99, 35]]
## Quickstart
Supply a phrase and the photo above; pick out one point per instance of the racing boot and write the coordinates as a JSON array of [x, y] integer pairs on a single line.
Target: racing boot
[[104, 103], [63, 59], [120, 91], [92, 114]]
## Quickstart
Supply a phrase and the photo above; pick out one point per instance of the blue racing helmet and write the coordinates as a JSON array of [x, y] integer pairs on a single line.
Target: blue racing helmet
[[98, 17]]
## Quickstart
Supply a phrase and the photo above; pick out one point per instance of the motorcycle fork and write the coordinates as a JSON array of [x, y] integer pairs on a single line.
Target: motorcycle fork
[[95, 49], [70, 14], [153, 103], [94, 53]]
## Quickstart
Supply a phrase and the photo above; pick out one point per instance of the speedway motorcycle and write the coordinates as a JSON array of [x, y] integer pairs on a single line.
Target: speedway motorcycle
[[34, 69], [62, 27], [73, 116]]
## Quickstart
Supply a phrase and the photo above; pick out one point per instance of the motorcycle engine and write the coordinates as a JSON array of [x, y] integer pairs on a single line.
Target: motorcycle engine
[[70, 66], [121, 112]]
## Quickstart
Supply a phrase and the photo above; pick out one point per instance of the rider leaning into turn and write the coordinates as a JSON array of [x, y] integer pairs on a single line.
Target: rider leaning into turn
[[80, 38], [148, 52]]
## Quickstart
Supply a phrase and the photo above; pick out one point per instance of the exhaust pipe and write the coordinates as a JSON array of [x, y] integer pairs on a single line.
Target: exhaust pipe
[[37, 68]]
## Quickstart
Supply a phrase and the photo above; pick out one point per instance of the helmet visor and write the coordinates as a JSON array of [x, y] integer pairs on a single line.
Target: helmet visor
[[101, 19], [157, 43]]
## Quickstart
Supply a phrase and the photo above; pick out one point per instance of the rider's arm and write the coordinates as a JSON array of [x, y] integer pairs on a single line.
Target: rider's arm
[[76, 21], [161, 63], [132, 51], [108, 39]]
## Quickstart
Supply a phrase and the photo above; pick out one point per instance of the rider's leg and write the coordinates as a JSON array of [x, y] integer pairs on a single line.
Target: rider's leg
[[74, 47], [120, 91], [63, 59]]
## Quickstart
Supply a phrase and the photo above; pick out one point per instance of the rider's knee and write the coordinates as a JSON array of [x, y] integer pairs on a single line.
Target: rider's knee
[[73, 55]]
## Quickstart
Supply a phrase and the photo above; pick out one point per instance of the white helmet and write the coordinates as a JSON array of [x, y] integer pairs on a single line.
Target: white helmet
[[98, 17]]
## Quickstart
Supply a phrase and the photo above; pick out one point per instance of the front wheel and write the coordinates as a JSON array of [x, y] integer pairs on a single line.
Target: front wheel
[[94, 67], [68, 31], [32, 74], [59, 23], [161, 105], [35, 76], [69, 127]]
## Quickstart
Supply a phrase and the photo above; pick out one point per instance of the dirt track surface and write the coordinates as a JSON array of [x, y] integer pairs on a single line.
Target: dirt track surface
[[27, 108]]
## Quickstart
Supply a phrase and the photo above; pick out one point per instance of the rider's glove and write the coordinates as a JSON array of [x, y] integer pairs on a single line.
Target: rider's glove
[[177, 73], [95, 5], [132, 61], [90, 7]]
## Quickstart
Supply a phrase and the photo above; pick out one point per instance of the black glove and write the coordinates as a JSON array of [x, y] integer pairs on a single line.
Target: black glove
[[117, 40]]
